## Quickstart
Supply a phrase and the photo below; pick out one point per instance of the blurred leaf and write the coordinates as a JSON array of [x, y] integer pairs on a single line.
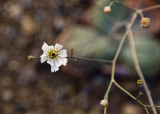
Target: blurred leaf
[[148, 54], [88, 43]]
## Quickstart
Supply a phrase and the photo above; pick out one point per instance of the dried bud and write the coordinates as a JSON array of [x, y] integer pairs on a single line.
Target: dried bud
[[104, 102], [145, 22], [30, 57], [107, 9]]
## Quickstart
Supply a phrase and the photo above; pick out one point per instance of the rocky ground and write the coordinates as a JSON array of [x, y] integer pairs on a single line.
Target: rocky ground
[[28, 87]]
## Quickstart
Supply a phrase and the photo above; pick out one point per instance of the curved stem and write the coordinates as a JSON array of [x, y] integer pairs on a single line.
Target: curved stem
[[124, 36], [152, 106], [138, 69], [140, 13]]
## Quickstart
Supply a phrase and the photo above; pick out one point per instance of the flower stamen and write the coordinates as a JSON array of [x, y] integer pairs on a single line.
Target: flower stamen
[[53, 54]]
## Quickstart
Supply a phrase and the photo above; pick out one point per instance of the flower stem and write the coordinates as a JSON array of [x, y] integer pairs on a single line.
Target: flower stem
[[105, 110], [124, 36], [88, 59], [117, 53], [138, 69], [125, 91], [111, 81], [152, 106], [150, 8]]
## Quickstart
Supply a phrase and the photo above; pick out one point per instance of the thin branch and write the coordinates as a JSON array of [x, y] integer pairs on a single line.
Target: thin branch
[[105, 110], [124, 36], [129, 94], [137, 67], [146, 110], [139, 93], [150, 8], [140, 13], [111, 81], [117, 53], [85, 59], [152, 106], [88, 59]]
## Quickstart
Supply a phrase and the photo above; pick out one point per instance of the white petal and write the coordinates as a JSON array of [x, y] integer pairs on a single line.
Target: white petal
[[64, 61], [58, 62], [58, 47], [51, 47], [50, 61], [54, 68], [62, 53], [44, 46], [43, 58]]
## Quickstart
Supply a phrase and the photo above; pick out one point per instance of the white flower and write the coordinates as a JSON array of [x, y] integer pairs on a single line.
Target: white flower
[[54, 56]]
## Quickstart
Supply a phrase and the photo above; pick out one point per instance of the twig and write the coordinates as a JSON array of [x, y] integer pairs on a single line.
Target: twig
[[125, 91], [88, 59], [152, 106], [139, 93], [146, 110], [137, 67], [105, 110], [129, 94], [111, 81], [124, 36], [117, 54], [150, 8], [85, 59]]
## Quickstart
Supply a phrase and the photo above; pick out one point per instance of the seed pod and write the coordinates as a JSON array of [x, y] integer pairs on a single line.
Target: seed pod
[[145, 22]]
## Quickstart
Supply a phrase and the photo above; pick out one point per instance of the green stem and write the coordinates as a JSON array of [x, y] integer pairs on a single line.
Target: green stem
[[129, 94], [150, 8], [111, 3], [105, 110], [152, 106], [111, 81], [88, 59], [139, 72]]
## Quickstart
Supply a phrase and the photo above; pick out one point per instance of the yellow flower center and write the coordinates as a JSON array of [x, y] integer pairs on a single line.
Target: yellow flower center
[[53, 54]]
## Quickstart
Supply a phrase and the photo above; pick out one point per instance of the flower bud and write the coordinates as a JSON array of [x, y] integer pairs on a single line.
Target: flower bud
[[145, 22], [30, 57], [139, 82], [104, 102], [107, 9]]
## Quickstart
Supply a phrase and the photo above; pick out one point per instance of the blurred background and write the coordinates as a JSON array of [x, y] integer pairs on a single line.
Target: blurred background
[[28, 87]]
